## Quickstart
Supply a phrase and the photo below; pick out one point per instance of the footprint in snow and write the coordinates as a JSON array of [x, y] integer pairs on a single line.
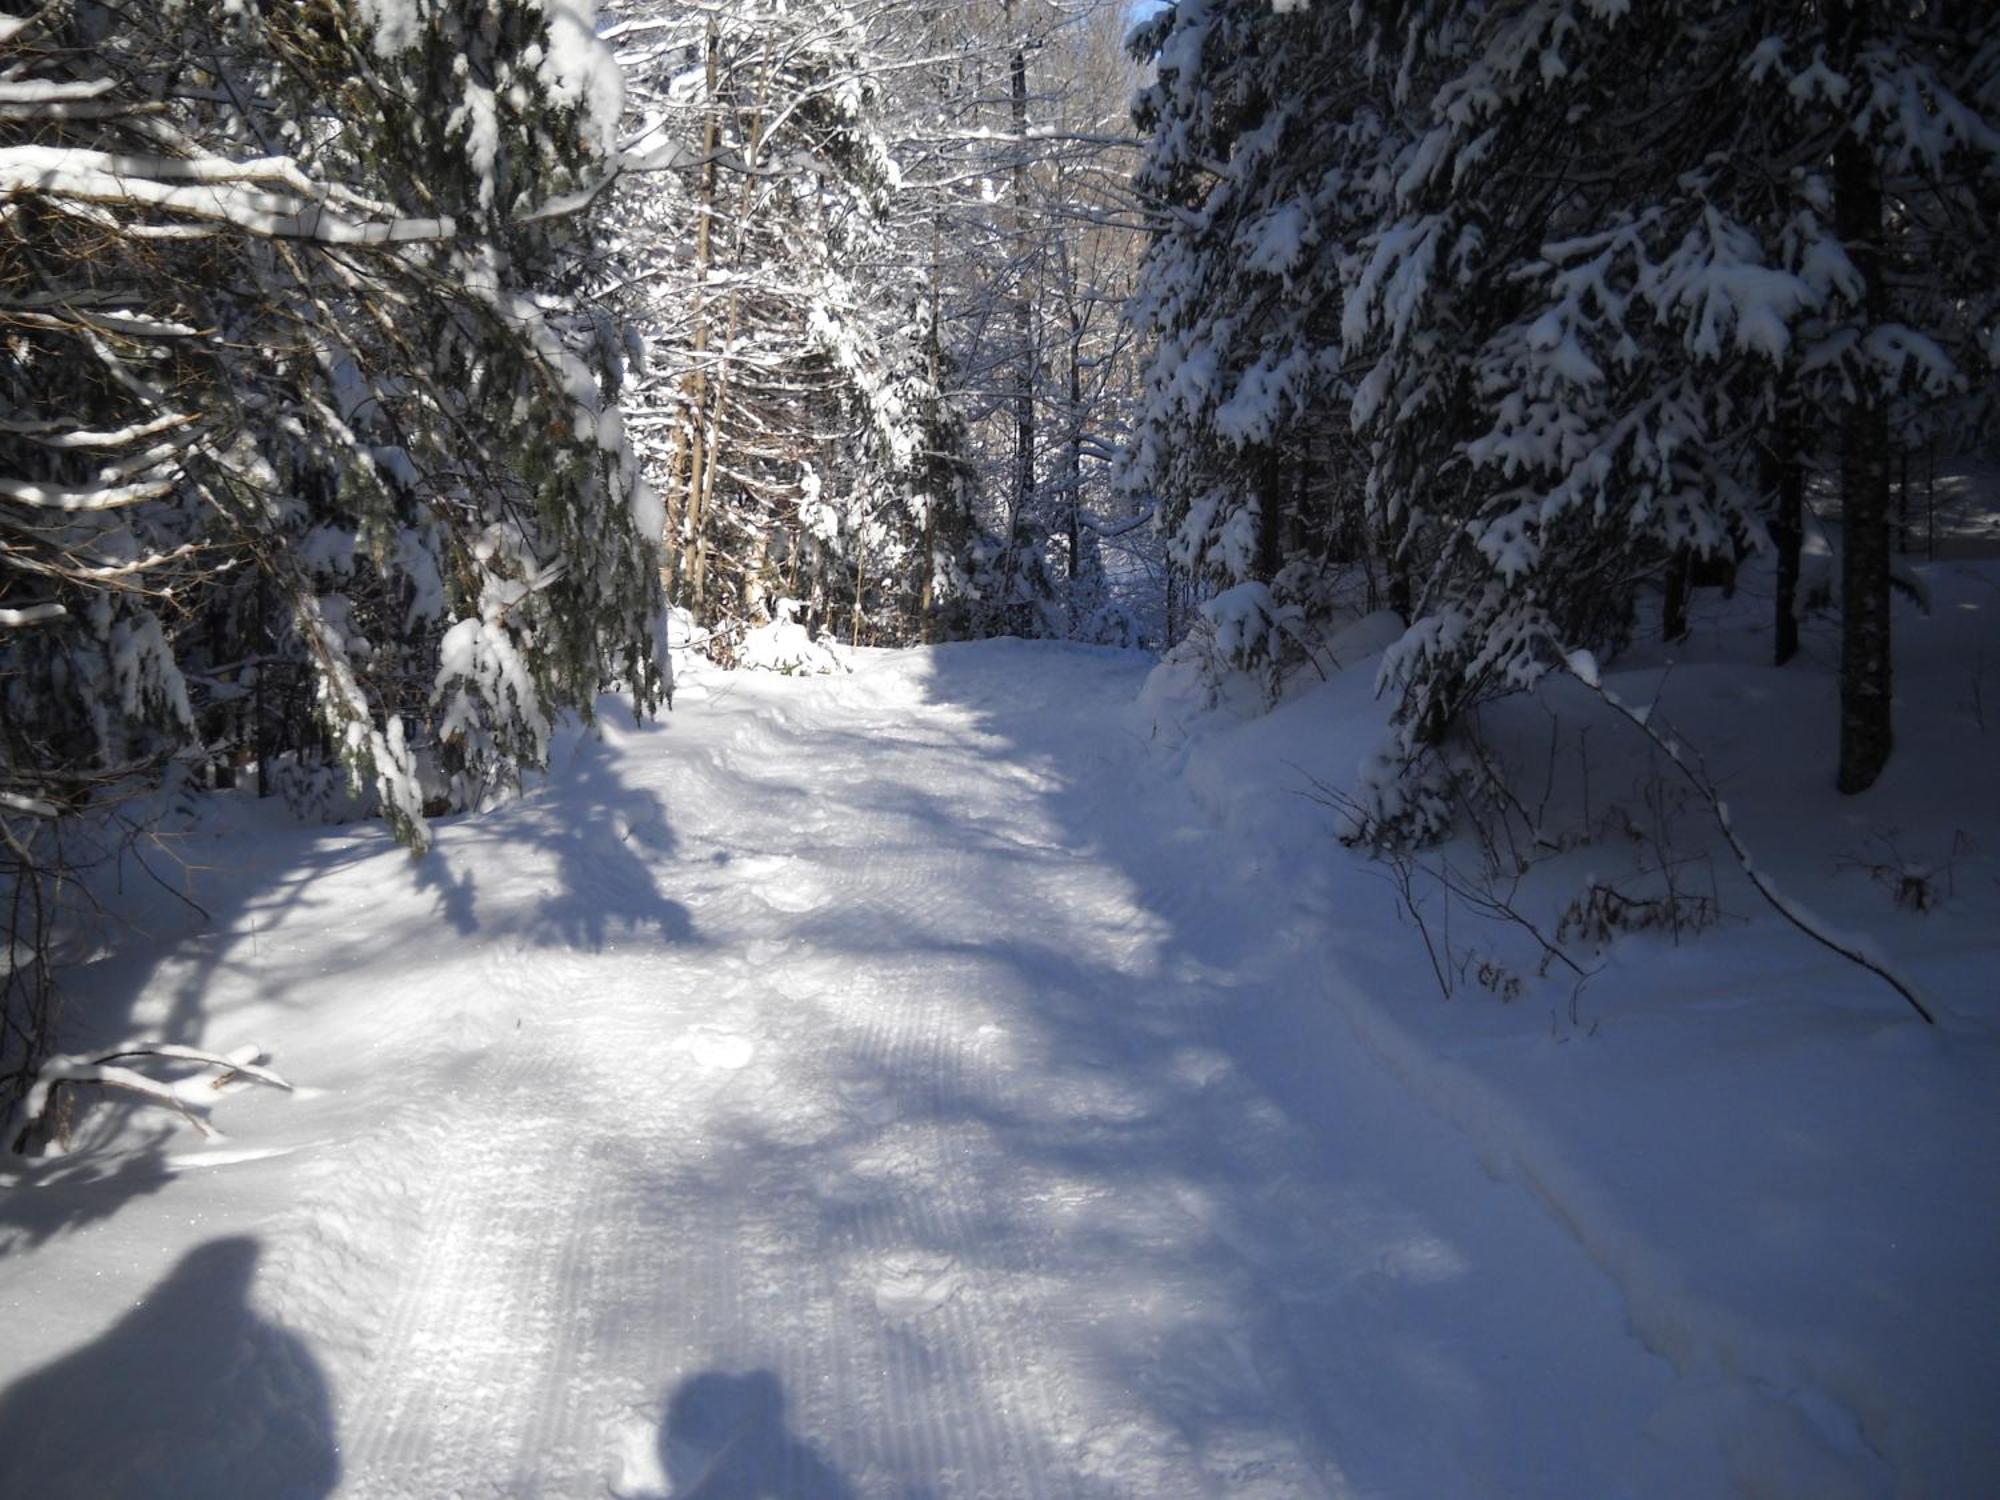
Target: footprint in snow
[[784, 884], [911, 1285]]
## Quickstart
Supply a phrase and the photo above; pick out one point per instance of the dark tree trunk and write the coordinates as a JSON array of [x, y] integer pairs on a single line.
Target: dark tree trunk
[[1784, 482], [260, 736], [1903, 502], [1674, 611], [1401, 596], [1270, 514], [1866, 734], [1073, 464]]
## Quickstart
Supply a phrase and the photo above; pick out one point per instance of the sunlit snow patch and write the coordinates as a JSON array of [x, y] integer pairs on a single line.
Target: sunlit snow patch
[[713, 1048]]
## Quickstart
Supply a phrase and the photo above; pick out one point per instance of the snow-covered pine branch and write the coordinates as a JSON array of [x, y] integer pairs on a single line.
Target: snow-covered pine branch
[[300, 382]]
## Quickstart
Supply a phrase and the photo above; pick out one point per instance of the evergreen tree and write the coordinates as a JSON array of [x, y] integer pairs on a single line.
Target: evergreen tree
[[1594, 266], [1260, 146], [305, 448]]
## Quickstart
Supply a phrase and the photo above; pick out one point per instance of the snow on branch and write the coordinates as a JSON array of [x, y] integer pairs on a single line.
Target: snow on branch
[[88, 497], [209, 188], [38, 1109], [33, 614], [59, 435], [51, 91]]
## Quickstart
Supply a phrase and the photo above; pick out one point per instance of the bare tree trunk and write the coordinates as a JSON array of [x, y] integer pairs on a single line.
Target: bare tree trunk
[[1903, 501], [1402, 598], [860, 582], [1930, 500], [1866, 726], [683, 509], [1073, 461], [704, 492], [1024, 318], [934, 372]]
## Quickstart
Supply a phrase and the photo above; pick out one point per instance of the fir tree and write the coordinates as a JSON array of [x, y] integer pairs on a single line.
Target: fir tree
[[306, 448]]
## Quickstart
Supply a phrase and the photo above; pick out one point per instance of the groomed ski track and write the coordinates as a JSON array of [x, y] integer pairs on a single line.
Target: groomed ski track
[[883, 1085]]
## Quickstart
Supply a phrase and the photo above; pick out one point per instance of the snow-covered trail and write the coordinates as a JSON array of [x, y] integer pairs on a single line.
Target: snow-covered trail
[[882, 1086]]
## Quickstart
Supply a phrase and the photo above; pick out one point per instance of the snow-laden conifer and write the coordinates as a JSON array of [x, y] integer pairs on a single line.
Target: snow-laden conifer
[[308, 452]]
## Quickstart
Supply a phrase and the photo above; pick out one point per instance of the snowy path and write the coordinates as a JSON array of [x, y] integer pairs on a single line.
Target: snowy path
[[876, 1087]]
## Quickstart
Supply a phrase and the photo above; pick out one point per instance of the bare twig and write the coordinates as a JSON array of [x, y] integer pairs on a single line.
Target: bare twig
[[1584, 669]]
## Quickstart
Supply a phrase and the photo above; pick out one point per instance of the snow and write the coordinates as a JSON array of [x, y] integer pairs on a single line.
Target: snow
[[1778, 1164], [82, 498], [783, 645], [968, 1075], [211, 188], [32, 614]]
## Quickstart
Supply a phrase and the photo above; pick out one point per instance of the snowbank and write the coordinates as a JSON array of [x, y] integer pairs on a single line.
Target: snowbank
[[1787, 1174]]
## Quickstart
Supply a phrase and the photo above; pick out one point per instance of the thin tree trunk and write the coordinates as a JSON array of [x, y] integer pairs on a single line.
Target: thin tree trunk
[[1401, 597], [1930, 501], [260, 739], [934, 373], [684, 474], [1024, 374], [1903, 501], [860, 582], [1784, 481], [704, 494], [1073, 462], [1866, 727], [1270, 514]]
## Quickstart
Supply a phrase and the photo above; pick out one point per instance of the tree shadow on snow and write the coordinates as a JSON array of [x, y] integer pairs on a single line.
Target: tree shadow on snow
[[42, 1199], [191, 1394], [246, 903], [609, 840], [725, 1437]]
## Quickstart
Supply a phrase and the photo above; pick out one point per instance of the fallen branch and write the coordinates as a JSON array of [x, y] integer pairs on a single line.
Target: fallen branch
[[1583, 667], [39, 1107]]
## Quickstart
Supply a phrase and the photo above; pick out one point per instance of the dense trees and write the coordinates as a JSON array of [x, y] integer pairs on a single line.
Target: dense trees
[[794, 415], [1500, 316], [879, 284], [1526, 308], [307, 455], [312, 458]]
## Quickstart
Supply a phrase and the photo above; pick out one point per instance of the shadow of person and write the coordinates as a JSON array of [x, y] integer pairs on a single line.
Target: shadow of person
[[190, 1394], [725, 1439]]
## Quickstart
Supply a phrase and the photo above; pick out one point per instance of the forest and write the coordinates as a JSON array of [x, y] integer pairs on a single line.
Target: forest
[[1165, 522]]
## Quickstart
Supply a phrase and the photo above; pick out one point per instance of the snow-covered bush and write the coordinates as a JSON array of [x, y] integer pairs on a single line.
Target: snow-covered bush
[[786, 647]]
